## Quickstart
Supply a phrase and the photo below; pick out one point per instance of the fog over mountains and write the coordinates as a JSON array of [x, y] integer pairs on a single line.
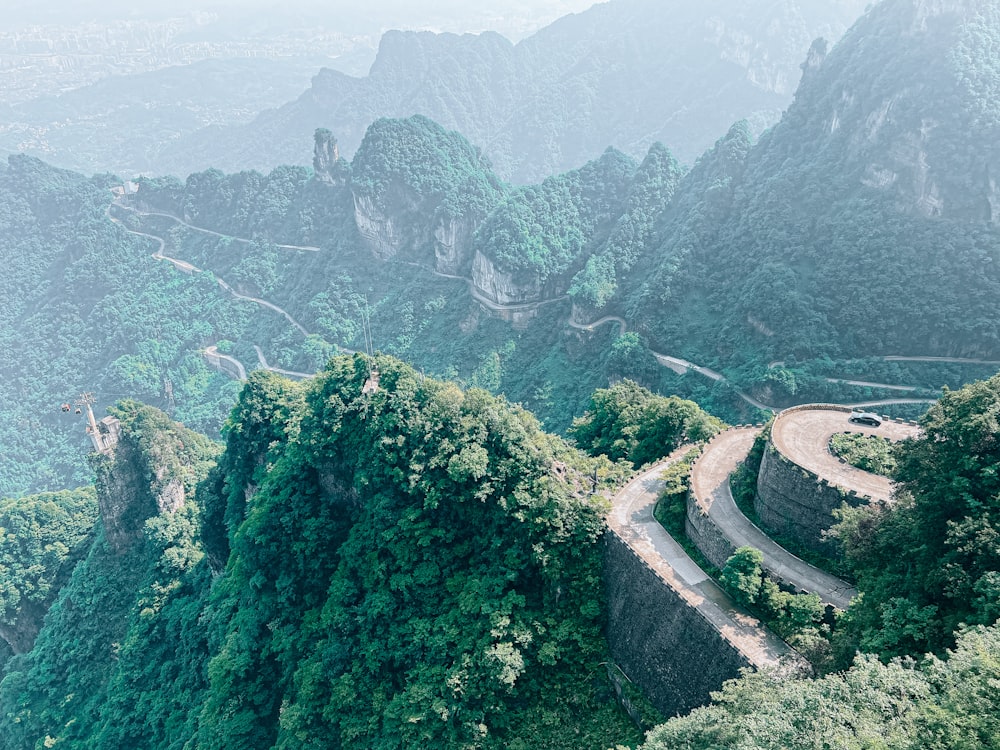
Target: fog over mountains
[[549, 103]]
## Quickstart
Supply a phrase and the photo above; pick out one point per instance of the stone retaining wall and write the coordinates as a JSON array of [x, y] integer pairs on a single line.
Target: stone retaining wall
[[796, 503], [662, 643], [699, 526]]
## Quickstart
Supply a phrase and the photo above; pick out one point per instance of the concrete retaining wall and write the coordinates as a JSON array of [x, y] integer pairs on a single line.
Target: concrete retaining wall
[[663, 644], [798, 504], [701, 529]]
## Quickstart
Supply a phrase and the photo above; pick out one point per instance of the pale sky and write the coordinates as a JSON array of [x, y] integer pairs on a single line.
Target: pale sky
[[506, 16]]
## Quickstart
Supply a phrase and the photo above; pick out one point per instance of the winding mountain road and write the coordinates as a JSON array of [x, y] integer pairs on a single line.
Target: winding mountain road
[[186, 267], [803, 437], [288, 373], [947, 360], [631, 518], [622, 325], [713, 496], [212, 352], [243, 240]]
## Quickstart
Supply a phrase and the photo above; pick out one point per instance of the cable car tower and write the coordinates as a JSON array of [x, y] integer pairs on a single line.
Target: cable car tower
[[103, 434], [371, 383]]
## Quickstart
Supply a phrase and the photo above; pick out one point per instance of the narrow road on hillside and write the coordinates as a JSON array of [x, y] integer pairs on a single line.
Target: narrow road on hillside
[[183, 265], [681, 366], [710, 485], [243, 240], [948, 360], [622, 325], [868, 384], [241, 371], [289, 373], [631, 518], [803, 437]]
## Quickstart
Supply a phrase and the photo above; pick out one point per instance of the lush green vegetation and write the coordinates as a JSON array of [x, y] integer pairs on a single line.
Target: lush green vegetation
[[418, 156], [626, 421], [815, 241], [798, 618], [866, 452], [946, 513], [413, 567], [120, 660], [938, 705], [652, 187], [544, 230], [41, 538]]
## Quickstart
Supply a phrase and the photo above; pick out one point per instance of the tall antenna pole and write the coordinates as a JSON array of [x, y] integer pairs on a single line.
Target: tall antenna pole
[[366, 325], [86, 401]]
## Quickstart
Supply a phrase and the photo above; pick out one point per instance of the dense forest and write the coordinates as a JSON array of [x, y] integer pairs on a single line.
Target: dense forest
[[873, 191], [416, 566], [86, 310], [399, 545]]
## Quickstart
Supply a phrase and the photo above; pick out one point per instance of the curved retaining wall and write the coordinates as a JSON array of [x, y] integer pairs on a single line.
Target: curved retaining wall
[[798, 503], [659, 640], [699, 526]]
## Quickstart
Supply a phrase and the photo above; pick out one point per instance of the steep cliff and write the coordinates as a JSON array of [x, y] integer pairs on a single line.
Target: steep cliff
[[420, 191], [122, 627], [876, 188]]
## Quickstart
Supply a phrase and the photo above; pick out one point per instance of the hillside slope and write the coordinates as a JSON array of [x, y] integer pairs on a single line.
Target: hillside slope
[[412, 567], [865, 223]]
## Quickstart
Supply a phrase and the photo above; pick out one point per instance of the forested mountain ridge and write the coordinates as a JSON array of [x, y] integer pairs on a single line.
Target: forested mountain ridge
[[625, 73], [413, 566], [875, 188], [759, 254]]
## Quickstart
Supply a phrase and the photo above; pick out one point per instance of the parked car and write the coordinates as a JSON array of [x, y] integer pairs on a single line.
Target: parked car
[[866, 417]]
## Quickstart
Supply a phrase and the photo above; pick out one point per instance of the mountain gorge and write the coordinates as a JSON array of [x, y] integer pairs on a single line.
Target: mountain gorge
[[560, 97]]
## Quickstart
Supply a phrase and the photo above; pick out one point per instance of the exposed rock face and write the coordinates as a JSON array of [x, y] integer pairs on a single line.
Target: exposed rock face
[[764, 70], [123, 497], [20, 635], [327, 165], [452, 246], [445, 247], [500, 286], [927, 9], [146, 475], [377, 229]]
